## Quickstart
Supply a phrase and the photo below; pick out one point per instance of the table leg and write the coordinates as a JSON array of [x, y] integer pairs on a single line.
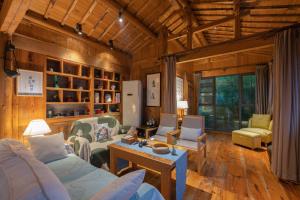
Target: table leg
[[113, 162], [134, 166], [166, 184]]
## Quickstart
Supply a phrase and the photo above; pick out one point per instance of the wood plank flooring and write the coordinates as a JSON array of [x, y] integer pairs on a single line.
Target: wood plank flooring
[[232, 172]]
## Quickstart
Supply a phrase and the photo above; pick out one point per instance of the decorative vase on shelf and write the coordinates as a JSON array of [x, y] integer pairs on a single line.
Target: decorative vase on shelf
[[108, 98], [97, 97], [56, 81]]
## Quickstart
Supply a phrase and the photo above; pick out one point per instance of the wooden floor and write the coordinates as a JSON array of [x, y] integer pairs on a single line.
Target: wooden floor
[[232, 172]]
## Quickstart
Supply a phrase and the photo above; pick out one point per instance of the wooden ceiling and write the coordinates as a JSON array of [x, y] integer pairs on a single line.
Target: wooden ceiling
[[209, 21]]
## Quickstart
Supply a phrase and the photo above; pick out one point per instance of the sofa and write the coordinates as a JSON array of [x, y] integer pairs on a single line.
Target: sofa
[[23, 176], [259, 131], [82, 138]]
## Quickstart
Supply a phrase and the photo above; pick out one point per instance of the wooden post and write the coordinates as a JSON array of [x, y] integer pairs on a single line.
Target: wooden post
[[163, 50], [6, 88], [189, 29]]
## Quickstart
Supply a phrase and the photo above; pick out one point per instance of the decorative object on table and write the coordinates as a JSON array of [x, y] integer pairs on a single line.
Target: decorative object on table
[[142, 143], [128, 139], [182, 107], [173, 142], [150, 122], [153, 89], [108, 98], [56, 81], [97, 97], [37, 127], [113, 87], [117, 97], [160, 148], [30, 83]]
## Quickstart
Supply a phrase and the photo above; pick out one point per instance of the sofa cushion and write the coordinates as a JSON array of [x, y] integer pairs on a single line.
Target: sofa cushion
[[260, 121], [122, 188], [48, 148], [103, 145], [259, 131], [163, 130], [24, 177], [190, 133]]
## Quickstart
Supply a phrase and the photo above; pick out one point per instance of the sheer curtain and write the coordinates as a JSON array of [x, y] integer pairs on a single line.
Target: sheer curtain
[[169, 91], [286, 107], [262, 89]]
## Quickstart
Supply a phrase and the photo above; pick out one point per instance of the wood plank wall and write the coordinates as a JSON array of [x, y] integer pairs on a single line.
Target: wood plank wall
[[15, 111]]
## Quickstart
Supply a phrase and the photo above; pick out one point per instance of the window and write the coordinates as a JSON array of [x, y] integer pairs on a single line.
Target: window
[[227, 102], [179, 88]]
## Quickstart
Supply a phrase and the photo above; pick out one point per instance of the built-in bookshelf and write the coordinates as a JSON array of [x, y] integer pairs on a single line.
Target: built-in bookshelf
[[107, 92], [75, 90]]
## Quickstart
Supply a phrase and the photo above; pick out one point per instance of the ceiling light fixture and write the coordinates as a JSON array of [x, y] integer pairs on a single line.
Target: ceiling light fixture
[[111, 44], [78, 29], [121, 19]]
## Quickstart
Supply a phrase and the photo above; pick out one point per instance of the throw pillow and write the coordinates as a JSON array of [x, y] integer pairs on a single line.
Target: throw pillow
[[260, 121], [103, 133], [163, 130], [48, 148], [24, 177], [190, 133], [121, 188]]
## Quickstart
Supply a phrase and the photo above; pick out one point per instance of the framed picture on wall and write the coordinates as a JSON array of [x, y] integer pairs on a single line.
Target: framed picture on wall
[[30, 83], [153, 89]]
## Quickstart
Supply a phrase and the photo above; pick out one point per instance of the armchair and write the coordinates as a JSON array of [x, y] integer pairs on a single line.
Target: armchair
[[192, 137], [167, 124]]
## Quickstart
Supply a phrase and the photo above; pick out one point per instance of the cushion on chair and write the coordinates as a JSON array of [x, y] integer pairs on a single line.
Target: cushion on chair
[[191, 134], [24, 177], [258, 131], [169, 120], [187, 144], [122, 188], [271, 125], [260, 121], [48, 148], [163, 130], [160, 138]]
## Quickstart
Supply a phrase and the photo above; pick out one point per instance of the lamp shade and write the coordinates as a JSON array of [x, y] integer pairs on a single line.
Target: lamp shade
[[182, 105], [37, 127]]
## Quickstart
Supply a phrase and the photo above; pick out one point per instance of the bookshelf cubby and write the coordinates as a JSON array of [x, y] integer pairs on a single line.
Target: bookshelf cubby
[[76, 90]]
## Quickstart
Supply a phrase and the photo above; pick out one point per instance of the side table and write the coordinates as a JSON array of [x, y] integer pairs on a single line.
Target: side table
[[145, 131]]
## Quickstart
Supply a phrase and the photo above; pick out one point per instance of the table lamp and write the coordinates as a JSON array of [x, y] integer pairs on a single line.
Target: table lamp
[[37, 127], [182, 106]]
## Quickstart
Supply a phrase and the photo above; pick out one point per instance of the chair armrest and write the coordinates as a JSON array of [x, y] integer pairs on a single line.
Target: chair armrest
[[171, 135], [202, 138]]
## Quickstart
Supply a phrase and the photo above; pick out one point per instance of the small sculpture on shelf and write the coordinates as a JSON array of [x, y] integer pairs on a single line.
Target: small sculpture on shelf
[[56, 81], [150, 122], [97, 97], [86, 99], [108, 98], [50, 113], [113, 87]]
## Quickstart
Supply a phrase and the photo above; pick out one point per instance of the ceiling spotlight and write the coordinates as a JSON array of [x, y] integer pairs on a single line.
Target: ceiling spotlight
[[78, 29], [121, 19], [111, 44]]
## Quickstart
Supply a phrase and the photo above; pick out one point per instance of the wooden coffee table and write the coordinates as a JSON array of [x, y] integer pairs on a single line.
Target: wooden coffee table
[[161, 165]]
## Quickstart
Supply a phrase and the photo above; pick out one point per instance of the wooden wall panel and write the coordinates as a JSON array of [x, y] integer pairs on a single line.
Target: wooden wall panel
[[16, 111]]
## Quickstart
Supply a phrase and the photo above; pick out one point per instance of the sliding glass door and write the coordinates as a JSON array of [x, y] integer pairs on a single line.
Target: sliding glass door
[[227, 102]]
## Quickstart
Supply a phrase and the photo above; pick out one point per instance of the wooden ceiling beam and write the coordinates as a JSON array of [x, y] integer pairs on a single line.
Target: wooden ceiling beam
[[49, 7], [12, 13], [98, 23], [130, 17], [257, 41], [69, 11], [106, 30], [89, 11], [120, 31], [237, 18], [210, 25]]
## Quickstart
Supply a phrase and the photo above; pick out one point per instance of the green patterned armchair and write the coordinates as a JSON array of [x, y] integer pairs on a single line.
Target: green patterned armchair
[[83, 140]]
